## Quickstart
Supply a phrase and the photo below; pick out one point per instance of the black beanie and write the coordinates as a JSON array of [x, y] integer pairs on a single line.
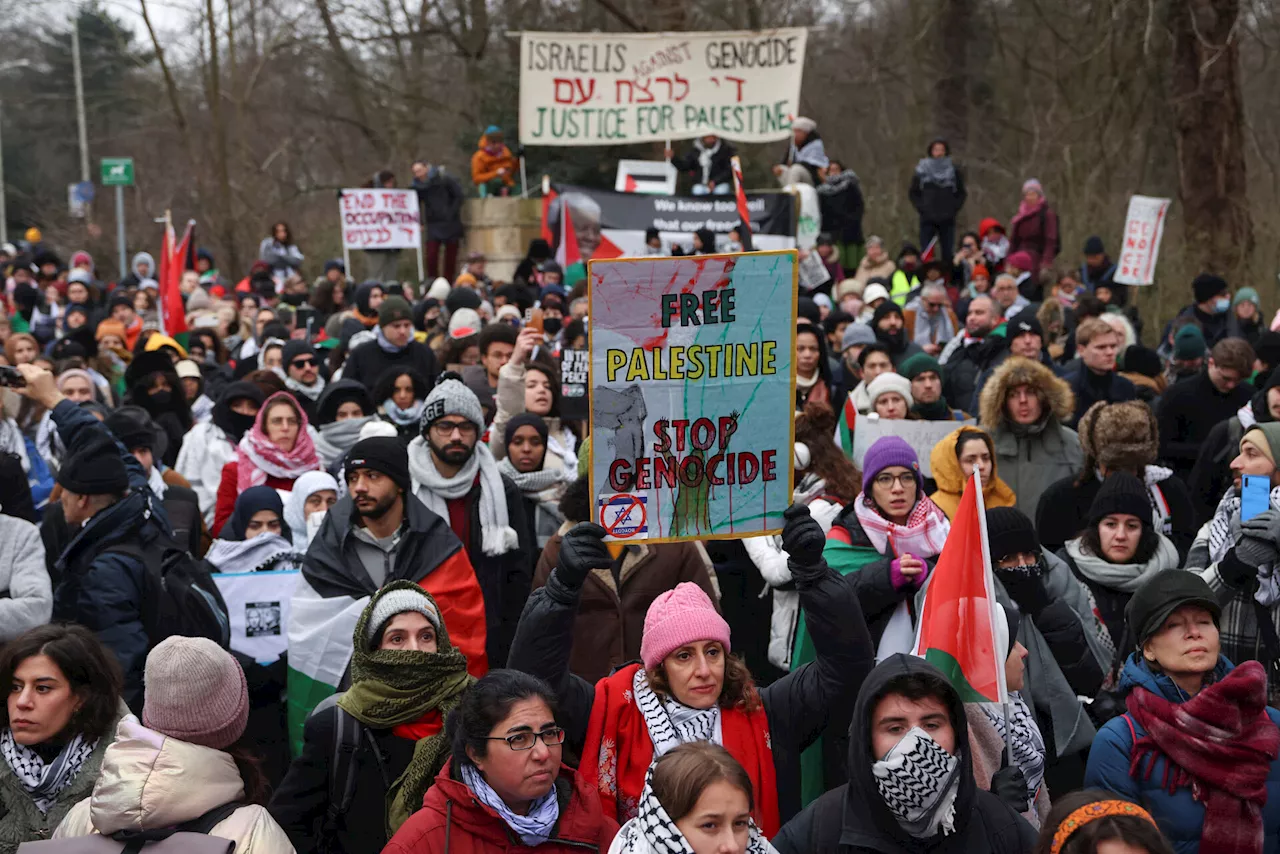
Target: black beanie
[[1022, 323], [1010, 532], [394, 308], [1121, 492], [1142, 360], [292, 350], [95, 470], [807, 309], [1093, 246], [524, 419], [135, 428], [462, 298], [384, 454], [1206, 286]]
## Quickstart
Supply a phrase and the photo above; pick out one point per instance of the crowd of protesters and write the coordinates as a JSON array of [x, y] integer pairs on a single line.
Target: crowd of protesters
[[485, 672]]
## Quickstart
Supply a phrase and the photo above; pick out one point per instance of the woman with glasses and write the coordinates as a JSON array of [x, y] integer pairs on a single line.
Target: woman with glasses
[[406, 677], [275, 452], [505, 787]]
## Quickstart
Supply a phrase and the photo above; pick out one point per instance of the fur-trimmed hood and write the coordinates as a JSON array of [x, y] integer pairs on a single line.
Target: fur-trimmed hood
[[1015, 371]]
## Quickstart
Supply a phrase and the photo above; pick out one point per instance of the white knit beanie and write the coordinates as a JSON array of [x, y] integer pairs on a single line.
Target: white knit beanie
[[889, 381]]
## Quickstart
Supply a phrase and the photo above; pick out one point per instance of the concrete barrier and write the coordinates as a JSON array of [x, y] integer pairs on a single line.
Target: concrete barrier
[[501, 228]]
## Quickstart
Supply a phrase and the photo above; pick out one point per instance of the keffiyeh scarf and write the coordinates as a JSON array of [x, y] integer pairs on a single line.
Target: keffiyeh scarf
[[44, 781], [1224, 528], [937, 170], [670, 723], [652, 831], [11, 442], [1028, 743], [534, 828], [919, 782], [923, 535], [257, 457], [433, 489]]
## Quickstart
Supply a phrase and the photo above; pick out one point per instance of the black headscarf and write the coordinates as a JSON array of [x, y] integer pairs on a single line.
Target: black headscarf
[[363, 294], [233, 423], [252, 500]]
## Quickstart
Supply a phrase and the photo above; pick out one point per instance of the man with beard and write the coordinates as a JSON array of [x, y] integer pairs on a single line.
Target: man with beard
[[378, 533], [456, 476], [967, 355], [300, 369], [889, 325]]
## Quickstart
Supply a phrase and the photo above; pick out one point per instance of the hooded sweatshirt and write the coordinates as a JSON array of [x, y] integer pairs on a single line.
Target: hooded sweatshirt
[[855, 818], [951, 480]]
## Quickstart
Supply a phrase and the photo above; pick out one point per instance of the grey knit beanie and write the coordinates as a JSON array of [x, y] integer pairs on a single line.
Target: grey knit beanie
[[452, 397], [195, 692], [399, 602]]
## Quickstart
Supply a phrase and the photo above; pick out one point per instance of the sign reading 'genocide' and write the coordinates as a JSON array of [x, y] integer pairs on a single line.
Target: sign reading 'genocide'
[[615, 88], [692, 395]]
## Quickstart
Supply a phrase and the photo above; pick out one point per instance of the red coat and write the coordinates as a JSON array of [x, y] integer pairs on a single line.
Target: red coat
[[228, 492], [473, 828]]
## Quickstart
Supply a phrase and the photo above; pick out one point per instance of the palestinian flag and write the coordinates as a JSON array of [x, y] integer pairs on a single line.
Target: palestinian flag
[[320, 633], [848, 421], [956, 629], [176, 257], [744, 230]]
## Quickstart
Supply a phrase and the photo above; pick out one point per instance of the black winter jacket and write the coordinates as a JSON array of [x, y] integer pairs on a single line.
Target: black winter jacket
[[721, 171], [1211, 476], [1188, 411], [441, 198], [960, 373], [1090, 388], [800, 706], [368, 362], [301, 802], [936, 203], [842, 205], [99, 588], [854, 818]]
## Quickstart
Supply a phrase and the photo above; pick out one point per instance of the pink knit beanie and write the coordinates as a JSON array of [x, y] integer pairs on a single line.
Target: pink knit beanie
[[195, 692], [678, 617]]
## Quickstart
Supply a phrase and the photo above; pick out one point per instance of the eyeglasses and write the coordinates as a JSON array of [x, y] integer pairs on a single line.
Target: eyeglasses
[[447, 428], [526, 740], [932, 304], [307, 362], [283, 421], [886, 481]]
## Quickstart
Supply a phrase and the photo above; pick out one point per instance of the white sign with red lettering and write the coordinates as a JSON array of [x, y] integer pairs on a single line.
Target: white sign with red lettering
[[1143, 228], [380, 219]]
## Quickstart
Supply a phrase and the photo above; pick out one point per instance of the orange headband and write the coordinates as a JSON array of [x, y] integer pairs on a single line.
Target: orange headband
[[1092, 812]]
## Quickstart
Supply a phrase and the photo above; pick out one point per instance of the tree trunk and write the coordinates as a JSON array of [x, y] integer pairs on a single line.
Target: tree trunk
[[1209, 116], [225, 227], [951, 90]]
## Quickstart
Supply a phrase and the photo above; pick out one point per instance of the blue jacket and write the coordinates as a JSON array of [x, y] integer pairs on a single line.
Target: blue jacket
[[102, 590], [1179, 815]]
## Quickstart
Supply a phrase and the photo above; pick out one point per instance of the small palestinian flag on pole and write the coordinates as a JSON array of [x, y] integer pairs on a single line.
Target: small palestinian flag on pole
[[848, 423], [744, 230], [957, 626]]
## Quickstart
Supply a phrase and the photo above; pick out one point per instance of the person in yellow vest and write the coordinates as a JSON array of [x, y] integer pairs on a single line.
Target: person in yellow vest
[[904, 279]]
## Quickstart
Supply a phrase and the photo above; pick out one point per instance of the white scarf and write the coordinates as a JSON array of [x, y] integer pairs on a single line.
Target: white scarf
[[1125, 577], [534, 828], [155, 480], [670, 723], [311, 392], [704, 158], [404, 417], [653, 832], [334, 439], [918, 781], [433, 489], [564, 446], [44, 781]]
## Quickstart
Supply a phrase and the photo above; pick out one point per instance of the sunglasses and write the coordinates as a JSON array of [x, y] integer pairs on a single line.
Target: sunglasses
[[303, 363]]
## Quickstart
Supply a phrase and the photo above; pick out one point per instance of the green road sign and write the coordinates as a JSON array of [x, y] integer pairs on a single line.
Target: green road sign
[[117, 171]]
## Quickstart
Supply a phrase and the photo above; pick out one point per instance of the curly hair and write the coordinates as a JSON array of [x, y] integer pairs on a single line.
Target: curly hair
[[738, 691]]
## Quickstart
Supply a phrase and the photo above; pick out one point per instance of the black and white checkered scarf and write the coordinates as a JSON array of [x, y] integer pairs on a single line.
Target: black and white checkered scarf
[[652, 831], [671, 723], [43, 781], [919, 781]]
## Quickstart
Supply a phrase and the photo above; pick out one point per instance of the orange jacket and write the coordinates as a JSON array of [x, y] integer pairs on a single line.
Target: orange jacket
[[485, 166]]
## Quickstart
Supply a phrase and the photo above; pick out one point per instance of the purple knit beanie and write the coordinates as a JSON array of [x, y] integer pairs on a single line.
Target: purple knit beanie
[[195, 692], [889, 451], [678, 617]]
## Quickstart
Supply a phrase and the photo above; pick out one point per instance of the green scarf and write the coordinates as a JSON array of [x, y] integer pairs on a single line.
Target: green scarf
[[936, 411], [393, 687]]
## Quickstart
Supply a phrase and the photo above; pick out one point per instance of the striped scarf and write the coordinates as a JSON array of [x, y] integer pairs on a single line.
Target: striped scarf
[[923, 535]]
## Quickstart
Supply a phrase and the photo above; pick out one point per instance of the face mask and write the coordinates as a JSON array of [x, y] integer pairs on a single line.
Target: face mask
[[1221, 305], [918, 781], [552, 324], [294, 299], [241, 422], [160, 398]]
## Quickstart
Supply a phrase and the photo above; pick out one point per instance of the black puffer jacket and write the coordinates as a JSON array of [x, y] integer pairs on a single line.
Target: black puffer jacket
[[798, 706], [854, 819]]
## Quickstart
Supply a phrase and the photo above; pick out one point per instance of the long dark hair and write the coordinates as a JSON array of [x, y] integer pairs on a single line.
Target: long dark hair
[[257, 788], [288, 235], [93, 672], [1134, 830]]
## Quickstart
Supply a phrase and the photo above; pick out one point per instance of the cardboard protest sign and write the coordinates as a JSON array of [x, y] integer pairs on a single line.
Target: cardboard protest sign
[[920, 435], [623, 88], [1143, 228], [380, 219], [574, 378], [692, 395], [609, 224]]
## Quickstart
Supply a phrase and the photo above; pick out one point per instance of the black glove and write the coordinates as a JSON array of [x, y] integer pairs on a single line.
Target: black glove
[[1026, 590], [582, 550], [802, 537], [1009, 784], [1239, 566]]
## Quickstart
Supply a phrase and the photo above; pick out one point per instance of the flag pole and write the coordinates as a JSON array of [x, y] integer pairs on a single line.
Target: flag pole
[[976, 483]]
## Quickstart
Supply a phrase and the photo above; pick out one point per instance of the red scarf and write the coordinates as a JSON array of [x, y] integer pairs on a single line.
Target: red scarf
[[424, 727], [1221, 743], [618, 752]]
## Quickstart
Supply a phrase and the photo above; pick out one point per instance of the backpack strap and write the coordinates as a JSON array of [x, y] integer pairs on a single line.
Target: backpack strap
[[342, 767], [135, 841]]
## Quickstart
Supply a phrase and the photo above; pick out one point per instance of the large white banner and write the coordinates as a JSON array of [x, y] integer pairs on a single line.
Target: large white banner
[[1143, 228], [380, 219], [619, 88], [920, 435]]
